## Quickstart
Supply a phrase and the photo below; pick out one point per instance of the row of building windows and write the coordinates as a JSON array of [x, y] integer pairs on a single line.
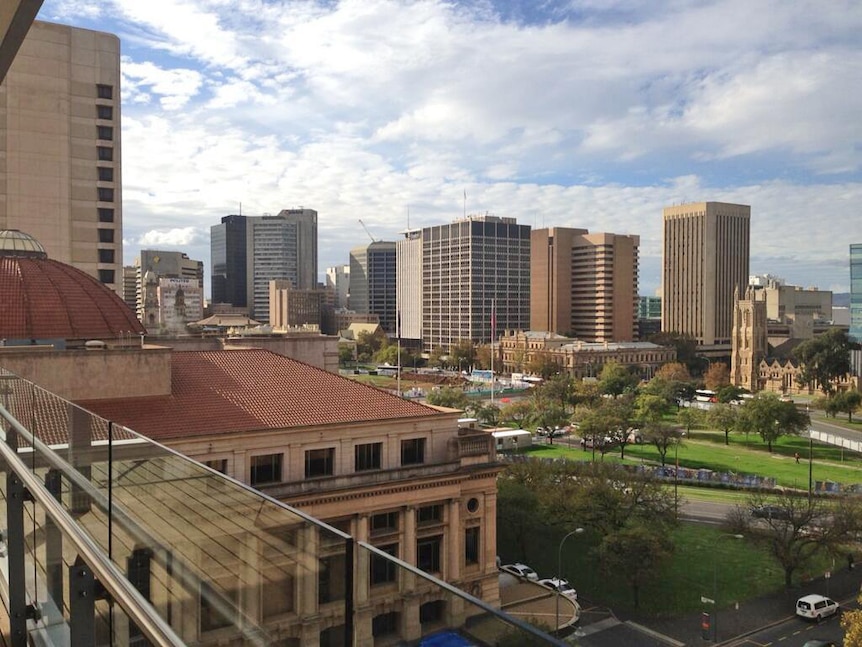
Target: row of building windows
[[268, 468], [105, 174]]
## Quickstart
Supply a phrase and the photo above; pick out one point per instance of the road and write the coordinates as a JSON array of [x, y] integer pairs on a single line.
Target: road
[[710, 512], [794, 632]]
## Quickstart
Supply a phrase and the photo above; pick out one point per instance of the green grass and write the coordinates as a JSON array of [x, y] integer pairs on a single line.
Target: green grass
[[742, 569], [706, 450]]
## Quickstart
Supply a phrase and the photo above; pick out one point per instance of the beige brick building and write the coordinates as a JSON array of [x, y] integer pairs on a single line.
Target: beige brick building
[[706, 250], [60, 148], [584, 285]]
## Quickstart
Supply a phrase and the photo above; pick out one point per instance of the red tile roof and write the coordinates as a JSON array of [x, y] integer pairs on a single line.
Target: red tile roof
[[45, 299], [218, 392]]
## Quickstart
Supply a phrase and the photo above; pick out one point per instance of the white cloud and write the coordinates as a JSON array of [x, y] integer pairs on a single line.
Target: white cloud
[[594, 114], [171, 238]]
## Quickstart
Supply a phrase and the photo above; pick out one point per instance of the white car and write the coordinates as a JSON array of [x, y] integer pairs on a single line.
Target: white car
[[815, 607], [561, 586], [520, 570]]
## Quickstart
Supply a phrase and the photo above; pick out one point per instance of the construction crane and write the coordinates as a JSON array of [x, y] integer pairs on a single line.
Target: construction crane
[[366, 231]]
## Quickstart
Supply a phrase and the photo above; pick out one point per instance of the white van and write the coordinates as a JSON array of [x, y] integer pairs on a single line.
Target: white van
[[815, 607]]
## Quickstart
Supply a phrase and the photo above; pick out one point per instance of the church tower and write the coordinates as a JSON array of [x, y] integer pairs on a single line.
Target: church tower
[[749, 340]]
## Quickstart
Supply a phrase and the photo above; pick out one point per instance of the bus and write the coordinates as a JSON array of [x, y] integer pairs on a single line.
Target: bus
[[705, 395]]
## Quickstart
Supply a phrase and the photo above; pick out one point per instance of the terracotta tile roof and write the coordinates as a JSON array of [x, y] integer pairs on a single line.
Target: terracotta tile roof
[[216, 392], [45, 299]]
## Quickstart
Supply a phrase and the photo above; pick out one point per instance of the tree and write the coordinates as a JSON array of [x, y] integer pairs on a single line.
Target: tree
[[771, 418], [649, 408], [729, 393], [616, 379], [487, 414], [558, 389], [663, 436], [824, 358], [448, 397], [674, 372], [543, 365], [689, 418], [851, 623], [686, 348], [636, 552], [724, 417], [462, 354], [793, 529], [717, 376], [847, 402], [520, 412], [518, 511], [367, 344], [388, 354], [346, 354], [549, 414], [483, 356]]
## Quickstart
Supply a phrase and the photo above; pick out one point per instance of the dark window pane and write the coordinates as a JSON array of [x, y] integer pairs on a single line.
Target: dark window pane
[[105, 132], [413, 451], [429, 514], [106, 276], [385, 624], [331, 584], [106, 235], [368, 456], [104, 91], [319, 462], [105, 153], [428, 554], [104, 112], [266, 469], [106, 214], [383, 523], [106, 255], [431, 611], [106, 174], [105, 195], [471, 545], [383, 570]]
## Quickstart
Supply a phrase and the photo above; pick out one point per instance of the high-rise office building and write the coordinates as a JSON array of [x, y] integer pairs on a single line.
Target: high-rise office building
[[60, 148], [475, 280], [228, 261], [338, 280], [584, 285], [166, 265], [408, 257], [372, 282], [706, 249], [856, 292], [250, 251]]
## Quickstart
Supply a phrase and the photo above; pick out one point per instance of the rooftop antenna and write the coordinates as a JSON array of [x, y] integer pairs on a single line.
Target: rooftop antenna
[[465, 203]]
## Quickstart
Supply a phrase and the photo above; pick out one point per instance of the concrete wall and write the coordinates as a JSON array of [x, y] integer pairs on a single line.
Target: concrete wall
[[93, 374]]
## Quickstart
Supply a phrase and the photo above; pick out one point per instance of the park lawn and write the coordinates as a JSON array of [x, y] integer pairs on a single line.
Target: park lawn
[[738, 458], [743, 570]]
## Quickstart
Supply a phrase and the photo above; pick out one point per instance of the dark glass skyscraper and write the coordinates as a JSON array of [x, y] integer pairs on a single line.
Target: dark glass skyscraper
[[228, 259]]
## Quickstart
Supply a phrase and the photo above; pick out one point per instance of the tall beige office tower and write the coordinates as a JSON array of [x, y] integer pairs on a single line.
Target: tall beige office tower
[[60, 172], [706, 247], [584, 285]]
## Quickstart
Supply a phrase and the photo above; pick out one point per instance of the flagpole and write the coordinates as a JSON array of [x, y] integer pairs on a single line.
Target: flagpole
[[493, 324]]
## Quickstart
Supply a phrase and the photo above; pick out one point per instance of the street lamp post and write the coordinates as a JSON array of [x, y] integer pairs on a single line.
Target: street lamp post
[[715, 587], [576, 531]]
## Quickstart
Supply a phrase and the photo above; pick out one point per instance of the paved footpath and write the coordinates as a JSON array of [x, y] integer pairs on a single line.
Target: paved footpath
[[843, 586]]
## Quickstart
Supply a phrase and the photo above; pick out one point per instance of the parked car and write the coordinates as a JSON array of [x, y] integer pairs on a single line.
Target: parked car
[[815, 607], [560, 586], [541, 431], [589, 441], [520, 570], [766, 511]]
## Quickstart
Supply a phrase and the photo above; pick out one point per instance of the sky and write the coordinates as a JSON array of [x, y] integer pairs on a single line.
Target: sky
[[582, 113]]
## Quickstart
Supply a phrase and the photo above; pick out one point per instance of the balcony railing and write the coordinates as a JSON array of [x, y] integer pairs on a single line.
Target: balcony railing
[[112, 539]]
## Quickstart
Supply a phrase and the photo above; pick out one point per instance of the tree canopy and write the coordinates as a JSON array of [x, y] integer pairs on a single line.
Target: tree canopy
[[616, 379], [824, 358], [769, 417], [448, 397]]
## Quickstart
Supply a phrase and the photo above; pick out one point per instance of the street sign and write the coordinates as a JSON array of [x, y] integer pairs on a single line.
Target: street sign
[[828, 574], [706, 600]]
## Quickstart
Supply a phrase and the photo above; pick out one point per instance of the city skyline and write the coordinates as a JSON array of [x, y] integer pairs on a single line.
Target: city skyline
[[372, 109]]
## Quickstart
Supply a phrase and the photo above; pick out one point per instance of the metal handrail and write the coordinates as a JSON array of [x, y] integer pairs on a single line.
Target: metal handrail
[[110, 576]]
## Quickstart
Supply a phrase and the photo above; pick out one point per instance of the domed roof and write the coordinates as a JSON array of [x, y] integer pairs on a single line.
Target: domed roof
[[17, 243], [46, 299]]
